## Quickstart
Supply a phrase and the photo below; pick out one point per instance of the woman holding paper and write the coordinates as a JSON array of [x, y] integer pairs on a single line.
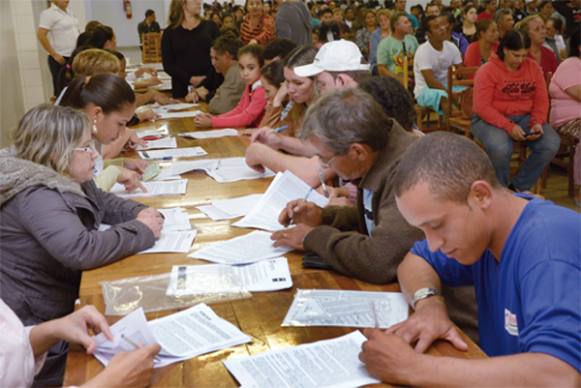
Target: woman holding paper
[[50, 212], [23, 349]]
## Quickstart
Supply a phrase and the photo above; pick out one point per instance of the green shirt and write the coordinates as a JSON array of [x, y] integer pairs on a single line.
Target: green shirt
[[390, 52]]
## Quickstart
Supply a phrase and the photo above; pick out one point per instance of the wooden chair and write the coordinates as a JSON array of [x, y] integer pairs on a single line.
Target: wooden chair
[[151, 52], [457, 114]]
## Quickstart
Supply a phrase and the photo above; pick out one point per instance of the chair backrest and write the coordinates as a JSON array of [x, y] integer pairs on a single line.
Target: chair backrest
[[151, 52], [460, 76]]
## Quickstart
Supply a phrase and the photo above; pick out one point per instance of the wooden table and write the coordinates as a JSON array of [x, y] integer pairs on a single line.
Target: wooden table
[[259, 316]]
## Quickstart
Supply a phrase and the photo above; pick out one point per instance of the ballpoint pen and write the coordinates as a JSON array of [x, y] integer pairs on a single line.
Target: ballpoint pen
[[323, 185], [130, 341]]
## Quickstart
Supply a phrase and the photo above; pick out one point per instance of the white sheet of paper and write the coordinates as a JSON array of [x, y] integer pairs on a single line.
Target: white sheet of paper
[[215, 133], [187, 152], [235, 169], [152, 132], [164, 142], [250, 248], [154, 188], [223, 209], [176, 218], [178, 241], [178, 115], [174, 107], [284, 188], [266, 275], [179, 167], [346, 309], [329, 363]]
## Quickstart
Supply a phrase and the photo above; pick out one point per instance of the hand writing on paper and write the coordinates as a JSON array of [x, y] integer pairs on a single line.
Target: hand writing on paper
[[300, 211], [293, 237], [429, 323], [388, 357], [203, 120], [152, 219]]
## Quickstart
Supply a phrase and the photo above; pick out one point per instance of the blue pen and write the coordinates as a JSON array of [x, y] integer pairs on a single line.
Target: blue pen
[[281, 128]]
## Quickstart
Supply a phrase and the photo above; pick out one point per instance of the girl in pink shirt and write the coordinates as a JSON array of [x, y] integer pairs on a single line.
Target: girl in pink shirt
[[250, 109]]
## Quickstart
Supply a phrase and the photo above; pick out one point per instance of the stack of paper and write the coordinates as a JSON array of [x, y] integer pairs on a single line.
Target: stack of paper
[[346, 309], [173, 153], [177, 234], [159, 132], [330, 363], [154, 188], [211, 134], [251, 247], [183, 335], [176, 168], [175, 218], [224, 209], [164, 142], [179, 115], [283, 189], [267, 275]]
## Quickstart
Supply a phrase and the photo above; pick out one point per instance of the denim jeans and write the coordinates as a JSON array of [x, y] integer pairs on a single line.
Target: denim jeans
[[498, 145]]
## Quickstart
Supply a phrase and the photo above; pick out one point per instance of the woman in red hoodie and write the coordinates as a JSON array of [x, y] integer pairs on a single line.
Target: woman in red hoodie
[[511, 104]]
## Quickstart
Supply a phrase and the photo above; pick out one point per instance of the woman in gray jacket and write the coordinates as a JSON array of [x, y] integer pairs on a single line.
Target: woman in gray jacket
[[50, 212]]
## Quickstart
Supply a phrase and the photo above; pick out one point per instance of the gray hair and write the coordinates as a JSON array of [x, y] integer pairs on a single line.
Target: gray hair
[[48, 134], [448, 163], [347, 116]]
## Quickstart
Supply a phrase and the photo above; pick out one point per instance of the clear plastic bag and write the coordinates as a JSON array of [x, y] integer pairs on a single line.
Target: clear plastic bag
[[164, 292]]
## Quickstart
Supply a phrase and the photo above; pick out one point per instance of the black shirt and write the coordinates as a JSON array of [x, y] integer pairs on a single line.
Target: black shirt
[[186, 53]]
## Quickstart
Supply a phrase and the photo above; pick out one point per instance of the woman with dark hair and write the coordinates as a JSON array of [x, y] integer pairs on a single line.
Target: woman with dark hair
[[469, 16], [363, 35], [102, 37], [479, 52], [185, 48], [511, 104], [565, 91], [257, 26]]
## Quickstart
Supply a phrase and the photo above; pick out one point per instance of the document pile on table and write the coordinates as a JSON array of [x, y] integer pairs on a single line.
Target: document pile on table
[[154, 188], [177, 234], [224, 209], [250, 248], [212, 134], [284, 188], [164, 142], [267, 275], [346, 309], [169, 154], [182, 336], [329, 363], [221, 170]]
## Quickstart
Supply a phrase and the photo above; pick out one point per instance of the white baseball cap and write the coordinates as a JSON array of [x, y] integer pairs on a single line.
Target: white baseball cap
[[338, 55]]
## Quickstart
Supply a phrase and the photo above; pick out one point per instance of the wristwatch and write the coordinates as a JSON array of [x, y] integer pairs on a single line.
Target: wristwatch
[[424, 293]]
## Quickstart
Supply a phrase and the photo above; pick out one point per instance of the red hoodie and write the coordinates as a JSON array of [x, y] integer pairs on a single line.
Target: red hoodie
[[499, 93]]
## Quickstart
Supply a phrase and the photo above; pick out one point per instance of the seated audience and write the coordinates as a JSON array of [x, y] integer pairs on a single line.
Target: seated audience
[[381, 32], [479, 52], [554, 39], [23, 349], [511, 105], [565, 91], [454, 35], [50, 212], [431, 63], [469, 16], [534, 26], [489, 10], [278, 49], [272, 79], [257, 27], [363, 35], [224, 55], [504, 21], [250, 108], [522, 255], [392, 50]]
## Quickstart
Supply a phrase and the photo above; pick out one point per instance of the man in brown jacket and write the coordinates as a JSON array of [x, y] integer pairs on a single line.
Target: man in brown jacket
[[355, 138]]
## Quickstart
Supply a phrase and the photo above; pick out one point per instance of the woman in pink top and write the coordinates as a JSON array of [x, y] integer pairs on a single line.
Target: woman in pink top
[[565, 91], [250, 109], [478, 52]]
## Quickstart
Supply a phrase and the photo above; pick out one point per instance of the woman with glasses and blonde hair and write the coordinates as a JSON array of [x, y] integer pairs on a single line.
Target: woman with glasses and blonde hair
[[50, 213]]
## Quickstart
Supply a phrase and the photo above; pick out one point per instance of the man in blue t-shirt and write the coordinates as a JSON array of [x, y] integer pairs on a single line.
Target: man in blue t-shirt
[[522, 255]]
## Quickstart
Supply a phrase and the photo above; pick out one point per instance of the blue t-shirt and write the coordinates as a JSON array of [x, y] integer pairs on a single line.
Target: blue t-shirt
[[530, 301]]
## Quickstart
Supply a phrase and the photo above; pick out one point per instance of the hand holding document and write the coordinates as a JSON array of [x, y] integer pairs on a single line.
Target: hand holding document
[[164, 142], [224, 209], [183, 335], [267, 275], [214, 133], [329, 363], [346, 309], [250, 248], [169, 154], [283, 189], [154, 188]]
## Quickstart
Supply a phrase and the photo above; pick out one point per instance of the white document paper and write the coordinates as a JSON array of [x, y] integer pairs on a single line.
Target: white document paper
[[283, 189], [154, 188], [250, 248], [346, 309], [267, 275], [189, 333], [329, 363], [175, 218], [215, 133], [174, 107], [179, 167], [173, 153], [162, 131], [224, 209], [178, 115], [173, 241], [235, 169], [164, 142]]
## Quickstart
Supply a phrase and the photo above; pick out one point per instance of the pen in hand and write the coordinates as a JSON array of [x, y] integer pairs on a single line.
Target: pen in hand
[[323, 185], [297, 208]]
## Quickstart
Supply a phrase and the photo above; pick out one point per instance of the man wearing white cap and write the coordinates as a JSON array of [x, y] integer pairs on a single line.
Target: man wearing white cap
[[338, 64]]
